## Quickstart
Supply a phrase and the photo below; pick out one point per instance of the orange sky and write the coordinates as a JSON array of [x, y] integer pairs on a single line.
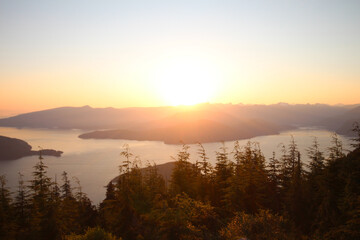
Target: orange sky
[[153, 54]]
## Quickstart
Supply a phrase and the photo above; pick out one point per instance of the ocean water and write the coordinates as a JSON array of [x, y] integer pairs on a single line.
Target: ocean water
[[95, 162]]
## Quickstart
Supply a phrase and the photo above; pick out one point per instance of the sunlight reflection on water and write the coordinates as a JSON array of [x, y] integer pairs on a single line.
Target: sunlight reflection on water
[[95, 162]]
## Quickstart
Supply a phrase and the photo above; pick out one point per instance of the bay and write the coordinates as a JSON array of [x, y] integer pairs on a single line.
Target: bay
[[95, 162]]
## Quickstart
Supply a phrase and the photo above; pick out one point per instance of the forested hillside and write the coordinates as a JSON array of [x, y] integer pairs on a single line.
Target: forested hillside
[[241, 196]]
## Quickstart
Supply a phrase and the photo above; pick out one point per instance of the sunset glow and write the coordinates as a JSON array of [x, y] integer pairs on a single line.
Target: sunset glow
[[160, 119], [159, 53], [186, 80]]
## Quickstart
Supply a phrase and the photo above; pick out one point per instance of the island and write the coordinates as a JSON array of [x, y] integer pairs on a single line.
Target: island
[[13, 148], [192, 132]]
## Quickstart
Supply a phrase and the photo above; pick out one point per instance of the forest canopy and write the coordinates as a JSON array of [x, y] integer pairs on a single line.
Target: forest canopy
[[242, 195]]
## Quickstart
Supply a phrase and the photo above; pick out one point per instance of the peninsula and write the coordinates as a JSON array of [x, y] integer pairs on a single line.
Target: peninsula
[[13, 148]]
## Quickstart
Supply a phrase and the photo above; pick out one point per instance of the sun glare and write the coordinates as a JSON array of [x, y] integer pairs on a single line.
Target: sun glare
[[187, 80]]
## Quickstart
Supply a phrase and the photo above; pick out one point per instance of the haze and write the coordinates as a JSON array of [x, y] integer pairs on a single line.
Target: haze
[[156, 53]]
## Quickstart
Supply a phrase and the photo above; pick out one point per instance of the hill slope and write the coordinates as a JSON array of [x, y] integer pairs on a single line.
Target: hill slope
[[200, 123], [13, 148]]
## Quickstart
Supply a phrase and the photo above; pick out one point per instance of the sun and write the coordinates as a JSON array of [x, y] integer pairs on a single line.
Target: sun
[[187, 80]]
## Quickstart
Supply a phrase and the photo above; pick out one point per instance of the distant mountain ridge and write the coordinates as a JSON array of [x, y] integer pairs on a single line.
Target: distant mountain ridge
[[203, 122], [84, 117], [343, 123]]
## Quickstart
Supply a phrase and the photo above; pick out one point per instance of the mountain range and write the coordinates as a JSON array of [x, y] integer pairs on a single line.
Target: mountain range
[[199, 123]]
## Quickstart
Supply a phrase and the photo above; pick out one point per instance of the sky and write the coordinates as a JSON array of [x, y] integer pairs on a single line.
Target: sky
[[158, 53]]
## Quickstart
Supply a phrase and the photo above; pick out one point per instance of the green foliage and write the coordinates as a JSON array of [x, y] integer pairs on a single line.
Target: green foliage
[[184, 175], [96, 233], [241, 197], [185, 218], [5, 210], [336, 150], [222, 177], [261, 226], [248, 184], [22, 210], [356, 139]]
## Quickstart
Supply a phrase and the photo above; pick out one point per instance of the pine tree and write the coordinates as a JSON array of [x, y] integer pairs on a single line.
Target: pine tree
[[182, 177], [126, 164], [55, 192], [336, 150], [120, 215], [274, 170], [296, 200], [285, 169], [110, 191], [204, 172], [22, 209], [222, 177], [40, 185], [315, 180], [205, 166], [316, 158], [42, 221], [86, 211], [6, 225], [235, 191], [293, 151], [261, 226], [288, 162], [250, 182], [66, 191], [68, 217], [154, 183], [356, 140]]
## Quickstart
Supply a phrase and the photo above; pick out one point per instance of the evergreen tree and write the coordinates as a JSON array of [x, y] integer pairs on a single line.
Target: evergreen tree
[[42, 219], [296, 199], [86, 211], [110, 191], [96, 233], [285, 170], [292, 187], [261, 226], [316, 158], [204, 184], [66, 191], [55, 192], [6, 225], [222, 177], [185, 218], [205, 166], [68, 217], [356, 139], [126, 164], [322, 203], [154, 183], [274, 170], [315, 178], [22, 209], [121, 216], [338, 211], [336, 150], [183, 177], [249, 183]]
